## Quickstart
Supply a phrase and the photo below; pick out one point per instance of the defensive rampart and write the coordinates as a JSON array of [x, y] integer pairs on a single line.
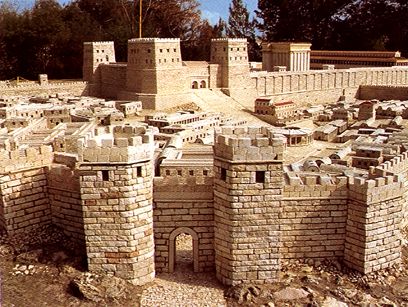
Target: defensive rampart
[[322, 86], [33, 88]]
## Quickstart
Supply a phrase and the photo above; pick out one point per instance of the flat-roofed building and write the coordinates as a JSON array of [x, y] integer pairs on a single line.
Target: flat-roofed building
[[295, 56], [351, 59]]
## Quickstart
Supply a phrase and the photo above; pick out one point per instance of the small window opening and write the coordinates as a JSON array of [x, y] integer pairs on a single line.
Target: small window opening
[[223, 174], [205, 172], [191, 173], [139, 171], [105, 175], [260, 176], [179, 173]]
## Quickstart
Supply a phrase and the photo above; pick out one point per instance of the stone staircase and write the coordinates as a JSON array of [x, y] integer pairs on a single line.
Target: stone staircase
[[214, 100]]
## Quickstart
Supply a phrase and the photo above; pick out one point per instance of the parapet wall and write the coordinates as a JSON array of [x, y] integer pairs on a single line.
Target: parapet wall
[[121, 145], [25, 200], [314, 216], [326, 85], [74, 88], [25, 158], [374, 216], [65, 199], [248, 144]]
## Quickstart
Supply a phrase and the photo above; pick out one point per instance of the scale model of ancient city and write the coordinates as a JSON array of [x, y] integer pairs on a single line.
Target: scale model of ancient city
[[297, 157]]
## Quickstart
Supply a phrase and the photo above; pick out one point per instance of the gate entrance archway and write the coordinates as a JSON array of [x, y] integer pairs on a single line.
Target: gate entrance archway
[[172, 247]]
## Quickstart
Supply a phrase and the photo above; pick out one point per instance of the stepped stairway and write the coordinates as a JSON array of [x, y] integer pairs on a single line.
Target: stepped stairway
[[214, 100]]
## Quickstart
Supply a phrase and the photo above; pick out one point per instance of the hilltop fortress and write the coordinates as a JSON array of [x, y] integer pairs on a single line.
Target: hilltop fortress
[[156, 74], [125, 190]]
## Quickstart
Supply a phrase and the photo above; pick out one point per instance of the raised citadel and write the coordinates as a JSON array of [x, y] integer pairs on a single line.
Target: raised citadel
[[280, 162]]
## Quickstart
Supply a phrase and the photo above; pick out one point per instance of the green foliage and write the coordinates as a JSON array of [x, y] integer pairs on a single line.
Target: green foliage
[[240, 26], [48, 38], [337, 24]]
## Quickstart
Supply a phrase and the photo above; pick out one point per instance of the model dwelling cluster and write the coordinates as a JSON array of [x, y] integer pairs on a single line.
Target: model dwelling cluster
[[125, 182], [303, 164]]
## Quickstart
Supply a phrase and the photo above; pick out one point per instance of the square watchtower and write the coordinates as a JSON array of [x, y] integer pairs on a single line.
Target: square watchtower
[[248, 186]]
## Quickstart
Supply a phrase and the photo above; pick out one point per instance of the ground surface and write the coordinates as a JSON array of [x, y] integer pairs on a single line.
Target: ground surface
[[43, 274]]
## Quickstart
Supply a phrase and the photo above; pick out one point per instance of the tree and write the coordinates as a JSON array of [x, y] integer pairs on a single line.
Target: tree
[[373, 25], [239, 26], [299, 20]]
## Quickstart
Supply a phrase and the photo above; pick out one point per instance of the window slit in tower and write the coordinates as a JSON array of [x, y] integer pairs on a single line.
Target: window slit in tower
[[260, 176], [105, 175], [223, 174]]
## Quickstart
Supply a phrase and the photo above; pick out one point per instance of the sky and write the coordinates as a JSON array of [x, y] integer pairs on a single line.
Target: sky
[[214, 9], [211, 9]]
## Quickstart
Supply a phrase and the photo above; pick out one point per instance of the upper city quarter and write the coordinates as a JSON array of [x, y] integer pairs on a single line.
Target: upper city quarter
[[301, 156]]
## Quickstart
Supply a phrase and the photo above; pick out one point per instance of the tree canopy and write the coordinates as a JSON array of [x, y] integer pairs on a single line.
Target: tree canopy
[[48, 37], [337, 24], [240, 26]]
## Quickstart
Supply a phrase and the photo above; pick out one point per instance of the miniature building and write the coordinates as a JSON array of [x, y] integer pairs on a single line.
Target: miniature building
[[278, 113], [367, 156], [295, 56], [129, 108], [156, 75], [366, 110], [350, 59]]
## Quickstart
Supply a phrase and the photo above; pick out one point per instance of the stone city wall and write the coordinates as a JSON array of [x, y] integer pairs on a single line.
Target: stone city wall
[[65, 200], [384, 92], [25, 158], [314, 216], [183, 203], [25, 200], [33, 88], [373, 239], [113, 80], [324, 86]]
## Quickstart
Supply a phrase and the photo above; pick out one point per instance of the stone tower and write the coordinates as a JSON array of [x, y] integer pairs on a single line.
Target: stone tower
[[248, 186], [155, 71], [232, 56], [116, 190], [96, 53]]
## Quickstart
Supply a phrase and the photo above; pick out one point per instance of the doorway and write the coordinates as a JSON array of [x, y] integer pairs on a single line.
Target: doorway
[[183, 249]]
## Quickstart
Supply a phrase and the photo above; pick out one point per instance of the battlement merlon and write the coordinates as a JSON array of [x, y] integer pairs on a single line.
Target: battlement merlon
[[396, 165], [154, 40], [232, 40], [248, 144], [376, 190], [101, 43], [25, 158], [118, 148]]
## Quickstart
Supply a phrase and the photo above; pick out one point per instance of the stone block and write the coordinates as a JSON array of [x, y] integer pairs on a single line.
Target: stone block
[[107, 143]]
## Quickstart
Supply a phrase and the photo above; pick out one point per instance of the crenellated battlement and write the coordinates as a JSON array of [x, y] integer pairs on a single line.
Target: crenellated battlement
[[396, 165], [248, 144], [309, 185], [24, 158], [376, 190], [226, 39], [154, 40], [125, 145], [100, 43]]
